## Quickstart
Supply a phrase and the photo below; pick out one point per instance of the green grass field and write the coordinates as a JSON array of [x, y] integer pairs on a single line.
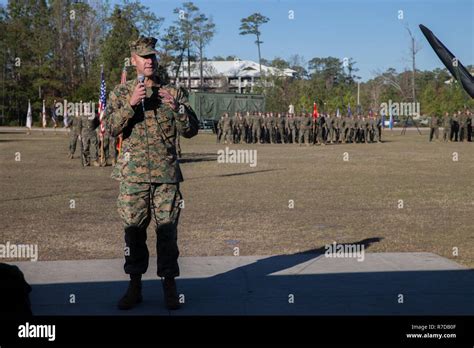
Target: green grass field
[[229, 205]]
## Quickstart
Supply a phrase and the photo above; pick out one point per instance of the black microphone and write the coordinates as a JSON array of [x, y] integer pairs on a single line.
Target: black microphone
[[141, 79]]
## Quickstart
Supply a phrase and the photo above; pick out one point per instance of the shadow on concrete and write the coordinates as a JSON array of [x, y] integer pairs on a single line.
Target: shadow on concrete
[[254, 289]]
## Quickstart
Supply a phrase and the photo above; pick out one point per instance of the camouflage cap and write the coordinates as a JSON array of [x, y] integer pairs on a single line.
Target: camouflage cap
[[143, 46]]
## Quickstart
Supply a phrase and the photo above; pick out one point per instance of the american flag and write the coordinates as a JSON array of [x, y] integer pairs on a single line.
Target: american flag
[[102, 101]]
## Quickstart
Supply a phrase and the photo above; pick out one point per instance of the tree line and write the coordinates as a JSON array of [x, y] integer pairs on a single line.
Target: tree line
[[54, 50]]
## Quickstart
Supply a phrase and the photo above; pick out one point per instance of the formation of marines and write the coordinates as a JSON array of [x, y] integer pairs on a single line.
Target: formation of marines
[[303, 128], [273, 128], [457, 126]]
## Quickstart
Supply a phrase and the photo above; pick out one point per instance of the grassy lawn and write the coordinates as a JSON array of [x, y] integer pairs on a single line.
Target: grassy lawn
[[228, 205]]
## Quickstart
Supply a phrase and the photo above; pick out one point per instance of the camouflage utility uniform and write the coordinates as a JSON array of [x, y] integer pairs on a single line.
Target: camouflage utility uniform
[[76, 128], [149, 172]]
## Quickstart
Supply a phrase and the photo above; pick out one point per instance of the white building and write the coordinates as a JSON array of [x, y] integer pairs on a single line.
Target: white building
[[239, 76]]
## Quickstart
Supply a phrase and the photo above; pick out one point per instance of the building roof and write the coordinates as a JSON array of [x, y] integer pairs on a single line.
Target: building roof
[[233, 68]]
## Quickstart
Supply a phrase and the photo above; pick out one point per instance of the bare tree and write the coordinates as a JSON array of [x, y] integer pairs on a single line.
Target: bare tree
[[187, 16], [204, 31]]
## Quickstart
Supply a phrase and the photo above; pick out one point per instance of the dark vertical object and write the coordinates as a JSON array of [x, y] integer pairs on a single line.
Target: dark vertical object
[[14, 293], [459, 72]]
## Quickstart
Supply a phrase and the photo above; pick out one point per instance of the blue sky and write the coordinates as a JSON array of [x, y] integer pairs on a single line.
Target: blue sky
[[367, 30]]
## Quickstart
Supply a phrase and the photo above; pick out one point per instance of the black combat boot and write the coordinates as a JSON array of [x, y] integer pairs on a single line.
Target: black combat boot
[[133, 296], [170, 294]]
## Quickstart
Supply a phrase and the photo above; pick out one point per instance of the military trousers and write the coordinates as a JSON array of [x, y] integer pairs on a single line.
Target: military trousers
[[137, 204], [281, 135], [227, 135], [293, 135], [434, 132], [73, 141], [90, 144], [446, 133], [304, 136], [256, 133], [110, 150]]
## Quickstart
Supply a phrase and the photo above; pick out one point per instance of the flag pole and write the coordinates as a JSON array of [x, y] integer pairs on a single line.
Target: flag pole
[[358, 93], [102, 154], [103, 161], [118, 145]]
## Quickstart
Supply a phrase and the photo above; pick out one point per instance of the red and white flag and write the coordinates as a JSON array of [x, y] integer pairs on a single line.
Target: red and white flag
[[315, 111], [44, 114]]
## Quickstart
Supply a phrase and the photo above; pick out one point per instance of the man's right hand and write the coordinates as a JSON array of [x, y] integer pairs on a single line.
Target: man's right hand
[[138, 94]]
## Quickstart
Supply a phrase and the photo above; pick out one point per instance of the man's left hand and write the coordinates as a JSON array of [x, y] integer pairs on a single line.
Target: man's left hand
[[168, 99]]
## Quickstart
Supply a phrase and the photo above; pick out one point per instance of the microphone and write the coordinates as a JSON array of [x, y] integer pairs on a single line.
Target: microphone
[[141, 79]]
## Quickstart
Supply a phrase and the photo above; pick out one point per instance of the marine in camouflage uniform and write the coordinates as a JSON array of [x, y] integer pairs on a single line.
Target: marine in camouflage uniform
[[247, 127], [379, 125], [75, 124], [110, 148], [357, 136], [239, 124], [447, 120], [265, 136], [219, 129], [329, 129], [434, 127], [257, 127], [305, 128], [455, 126], [365, 129], [339, 124], [89, 125], [319, 129], [292, 127], [148, 170], [346, 130], [280, 126], [227, 126], [271, 125], [463, 127]]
